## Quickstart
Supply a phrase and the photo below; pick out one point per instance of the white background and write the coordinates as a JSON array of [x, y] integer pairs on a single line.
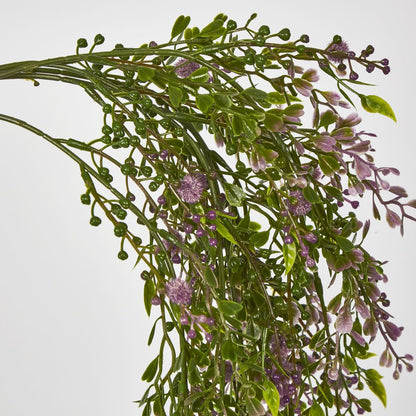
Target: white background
[[72, 324]]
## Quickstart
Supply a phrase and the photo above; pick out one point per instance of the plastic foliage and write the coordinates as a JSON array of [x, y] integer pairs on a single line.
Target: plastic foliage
[[239, 212]]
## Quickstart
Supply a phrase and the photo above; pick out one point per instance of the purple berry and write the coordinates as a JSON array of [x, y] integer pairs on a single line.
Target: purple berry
[[213, 242], [192, 333], [310, 262], [212, 227], [203, 258], [184, 320], [176, 259], [156, 301], [199, 232], [353, 76], [386, 70], [202, 319], [370, 68], [164, 154], [304, 252], [161, 200], [188, 228], [311, 237], [163, 215], [384, 61], [210, 321], [288, 239], [209, 337], [211, 215], [196, 218], [355, 204]]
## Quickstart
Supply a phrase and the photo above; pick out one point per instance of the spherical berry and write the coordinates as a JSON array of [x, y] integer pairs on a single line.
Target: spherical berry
[[288, 239], [386, 70], [211, 215], [213, 242], [384, 61], [191, 333], [353, 76], [156, 301]]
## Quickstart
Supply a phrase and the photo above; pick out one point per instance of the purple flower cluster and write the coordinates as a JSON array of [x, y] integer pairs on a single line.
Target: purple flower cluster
[[191, 187], [179, 291], [185, 68], [297, 204]]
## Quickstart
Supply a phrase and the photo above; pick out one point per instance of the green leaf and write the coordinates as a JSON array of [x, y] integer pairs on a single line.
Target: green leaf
[[365, 404], [376, 386], [335, 192], [289, 254], [374, 104], [228, 351], [222, 100], [149, 292], [234, 194], [223, 231], [260, 239], [349, 363], [327, 118], [316, 410], [145, 73], [273, 122], [272, 397], [276, 98], [237, 125], [210, 277], [200, 75], [175, 95], [213, 30], [329, 165], [310, 195], [229, 307], [204, 102], [256, 94], [344, 243], [150, 371], [180, 25]]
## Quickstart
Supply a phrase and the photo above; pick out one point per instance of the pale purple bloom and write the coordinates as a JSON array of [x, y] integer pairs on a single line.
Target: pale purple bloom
[[332, 97], [392, 218], [179, 291], [370, 327], [343, 324], [192, 187], [302, 86], [185, 68], [393, 331], [311, 75], [358, 338], [362, 168], [299, 206], [325, 142], [362, 308]]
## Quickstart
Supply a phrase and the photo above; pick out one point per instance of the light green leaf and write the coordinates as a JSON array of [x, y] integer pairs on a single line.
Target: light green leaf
[[223, 231], [289, 254], [234, 194], [213, 30], [200, 75], [328, 164], [144, 73], [272, 397], [180, 25], [222, 100], [316, 410], [256, 94], [229, 307], [228, 351], [204, 102], [175, 95], [376, 386], [276, 98], [375, 104]]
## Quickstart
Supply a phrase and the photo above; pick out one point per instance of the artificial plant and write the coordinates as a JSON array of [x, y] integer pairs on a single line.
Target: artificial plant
[[239, 212]]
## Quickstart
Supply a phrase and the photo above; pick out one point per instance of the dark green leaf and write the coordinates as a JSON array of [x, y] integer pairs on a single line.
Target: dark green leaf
[[344, 243], [310, 195], [327, 118], [228, 351], [259, 239], [272, 397], [365, 404], [210, 277], [229, 307], [150, 371], [374, 104], [234, 194], [335, 192], [148, 293], [273, 122], [237, 125], [180, 25]]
